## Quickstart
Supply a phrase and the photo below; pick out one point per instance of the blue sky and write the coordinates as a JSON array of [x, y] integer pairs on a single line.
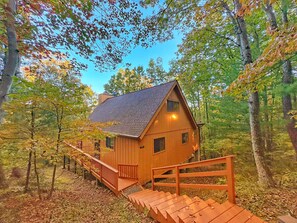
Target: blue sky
[[138, 56]]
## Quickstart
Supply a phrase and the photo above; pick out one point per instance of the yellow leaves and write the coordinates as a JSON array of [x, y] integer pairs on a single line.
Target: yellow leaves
[[38, 70], [282, 45]]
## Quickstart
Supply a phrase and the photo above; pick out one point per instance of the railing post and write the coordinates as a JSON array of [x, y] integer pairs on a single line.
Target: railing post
[[137, 172], [117, 181], [153, 180], [64, 161], [230, 179], [177, 180]]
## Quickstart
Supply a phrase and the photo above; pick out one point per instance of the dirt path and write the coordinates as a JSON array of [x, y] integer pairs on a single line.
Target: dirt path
[[75, 200]]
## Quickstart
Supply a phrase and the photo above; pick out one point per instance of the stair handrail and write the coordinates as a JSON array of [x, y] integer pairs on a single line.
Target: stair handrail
[[228, 173], [99, 175]]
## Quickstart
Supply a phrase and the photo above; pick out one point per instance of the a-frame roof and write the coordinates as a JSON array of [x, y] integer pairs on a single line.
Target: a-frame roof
[[134, 112]]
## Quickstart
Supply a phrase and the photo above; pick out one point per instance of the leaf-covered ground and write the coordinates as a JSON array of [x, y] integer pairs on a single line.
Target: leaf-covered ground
[[75, 200]]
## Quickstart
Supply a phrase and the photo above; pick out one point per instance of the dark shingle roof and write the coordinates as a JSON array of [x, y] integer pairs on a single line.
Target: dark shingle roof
[[132, 111]]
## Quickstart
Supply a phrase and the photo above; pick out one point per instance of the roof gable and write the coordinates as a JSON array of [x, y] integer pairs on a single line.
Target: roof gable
[[133, 111], [183, 102]]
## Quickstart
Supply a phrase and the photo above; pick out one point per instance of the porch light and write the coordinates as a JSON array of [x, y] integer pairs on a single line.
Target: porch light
[[174, 116]]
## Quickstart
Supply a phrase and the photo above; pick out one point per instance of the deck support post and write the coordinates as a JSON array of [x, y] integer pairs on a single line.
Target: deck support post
[[68, 164], [177, 180], [75, 166], [153, 180], [230, 179], [64, 161]]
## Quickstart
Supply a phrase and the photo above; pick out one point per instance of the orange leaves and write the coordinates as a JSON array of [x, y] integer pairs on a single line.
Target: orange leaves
[[282, 45]]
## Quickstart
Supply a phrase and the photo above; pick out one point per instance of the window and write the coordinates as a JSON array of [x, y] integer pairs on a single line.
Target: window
[[159, 145], [172, 106], [110, 142], [185, 137]]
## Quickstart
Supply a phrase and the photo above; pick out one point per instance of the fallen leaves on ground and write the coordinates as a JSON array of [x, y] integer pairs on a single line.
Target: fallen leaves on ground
[[75, 200]]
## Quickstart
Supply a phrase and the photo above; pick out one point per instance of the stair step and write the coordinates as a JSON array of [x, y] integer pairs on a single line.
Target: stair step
[[210, 213], [175, 207], [170, 208], [171, 214], [171, 202], [147, 202], [255, 219], [141, 194], [191, 218], [228, 215], [242, 217], [149, 196], [161, 201], [134, 195], [152, 206], [194, 208], [160, 210]]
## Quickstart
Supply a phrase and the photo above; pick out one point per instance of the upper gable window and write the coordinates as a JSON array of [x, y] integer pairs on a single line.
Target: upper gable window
[[185, 137], [110, 142], [172, 106]]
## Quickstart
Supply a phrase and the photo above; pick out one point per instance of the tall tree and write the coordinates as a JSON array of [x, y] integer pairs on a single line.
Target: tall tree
[[264, 175], [65, 101], [101, 31], [287, 77]]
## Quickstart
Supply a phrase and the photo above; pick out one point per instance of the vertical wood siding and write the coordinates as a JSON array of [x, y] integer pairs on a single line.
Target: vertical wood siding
[[171, 127], [125, 152]]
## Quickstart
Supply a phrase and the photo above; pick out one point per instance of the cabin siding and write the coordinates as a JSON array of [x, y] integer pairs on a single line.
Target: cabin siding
[[125, 152], [170, 125]]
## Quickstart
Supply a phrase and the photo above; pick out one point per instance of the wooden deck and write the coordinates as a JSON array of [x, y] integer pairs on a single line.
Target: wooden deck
[[124, 183], [171, 208], [167, 207], [115, 180]]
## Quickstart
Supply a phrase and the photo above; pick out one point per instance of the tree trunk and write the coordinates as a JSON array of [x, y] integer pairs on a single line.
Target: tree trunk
[[28, 172], [53, 181], [55, 165], [37, 175], [13, 54], [267, 129], [270, 15], [264, 174], [33, 148]]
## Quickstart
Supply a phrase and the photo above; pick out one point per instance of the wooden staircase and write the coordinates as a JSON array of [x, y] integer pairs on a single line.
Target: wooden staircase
[[171, 208]]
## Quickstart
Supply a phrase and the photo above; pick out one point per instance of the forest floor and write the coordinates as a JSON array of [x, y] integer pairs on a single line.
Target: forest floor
[[75, 200], [78, 200]]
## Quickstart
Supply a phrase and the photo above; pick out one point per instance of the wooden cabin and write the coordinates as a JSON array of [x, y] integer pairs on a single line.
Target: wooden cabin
[[154, 127]]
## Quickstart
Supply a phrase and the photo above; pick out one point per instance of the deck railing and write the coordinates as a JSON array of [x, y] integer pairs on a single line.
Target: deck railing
[[175, 173], [128, 171], [103, 172]]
